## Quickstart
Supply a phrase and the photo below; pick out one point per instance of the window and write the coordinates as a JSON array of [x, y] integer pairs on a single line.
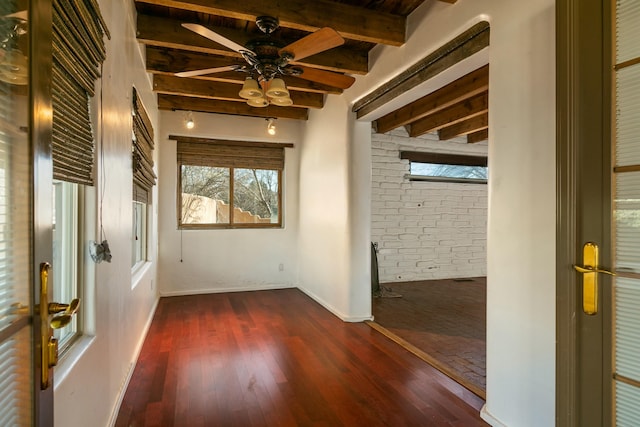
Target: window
[[139, 252], [229, 184], [144, 178], [67, 258], [446, 167], [77, 57]]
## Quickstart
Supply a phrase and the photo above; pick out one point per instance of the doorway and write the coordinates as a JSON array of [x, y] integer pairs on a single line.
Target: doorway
[[430, 235]]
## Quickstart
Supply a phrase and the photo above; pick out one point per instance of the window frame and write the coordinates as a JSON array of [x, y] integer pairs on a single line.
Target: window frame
[[75, 233], [230, 154], [230, 224], [144, 177], [444, 159], [144, 217]]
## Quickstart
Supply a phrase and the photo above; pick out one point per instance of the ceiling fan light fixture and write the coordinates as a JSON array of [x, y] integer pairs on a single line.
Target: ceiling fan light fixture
[[277, 89], [258, 102], [14, 68], [250, 90], [282, 102]]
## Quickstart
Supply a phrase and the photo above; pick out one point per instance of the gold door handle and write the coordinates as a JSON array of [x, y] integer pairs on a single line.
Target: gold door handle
[[584, 270], [590, 271], [63, 316], [68, 310], [48, 344]]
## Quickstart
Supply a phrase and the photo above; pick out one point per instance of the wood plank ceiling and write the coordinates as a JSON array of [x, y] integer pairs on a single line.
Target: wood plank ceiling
[[460, 108]]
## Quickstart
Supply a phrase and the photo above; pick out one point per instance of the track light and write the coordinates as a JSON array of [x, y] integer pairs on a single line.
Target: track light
[[189, 123], [271, 126]]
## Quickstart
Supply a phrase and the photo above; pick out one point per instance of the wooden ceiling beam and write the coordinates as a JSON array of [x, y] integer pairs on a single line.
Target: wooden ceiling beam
[[172, 102], [471, 125], [352, 22], [171, 85], [169, 33], [481, 135], [168, 62], [457, 113], [465, 87]]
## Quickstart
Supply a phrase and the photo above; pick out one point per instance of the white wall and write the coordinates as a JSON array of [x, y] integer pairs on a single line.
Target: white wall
[[88, 382], [425, 230], [220, 260], [334, 215]]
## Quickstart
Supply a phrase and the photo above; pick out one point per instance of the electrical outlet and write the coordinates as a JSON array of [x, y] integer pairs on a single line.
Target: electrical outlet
[[281, 267]]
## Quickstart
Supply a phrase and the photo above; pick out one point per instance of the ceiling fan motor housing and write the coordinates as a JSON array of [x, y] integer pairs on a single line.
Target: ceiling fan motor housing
[[267, 61], [267, 24]]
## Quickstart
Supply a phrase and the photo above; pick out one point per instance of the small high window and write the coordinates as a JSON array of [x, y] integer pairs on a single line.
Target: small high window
[[446, 167]]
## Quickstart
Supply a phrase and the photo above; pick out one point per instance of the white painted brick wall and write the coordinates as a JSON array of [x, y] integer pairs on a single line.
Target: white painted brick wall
[[425, 230]]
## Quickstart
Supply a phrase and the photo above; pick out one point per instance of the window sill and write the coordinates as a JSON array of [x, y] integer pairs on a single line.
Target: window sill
[[71, 357], [138, 271]]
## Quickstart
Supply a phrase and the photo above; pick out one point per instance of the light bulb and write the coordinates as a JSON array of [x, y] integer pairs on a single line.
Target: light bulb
[[271, 127], [189, 123]]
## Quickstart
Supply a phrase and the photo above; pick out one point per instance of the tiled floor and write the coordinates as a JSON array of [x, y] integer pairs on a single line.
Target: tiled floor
[[446, 319]]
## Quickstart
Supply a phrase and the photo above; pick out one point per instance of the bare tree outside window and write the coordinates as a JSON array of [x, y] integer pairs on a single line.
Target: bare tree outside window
[[449, 171], [206, 191]]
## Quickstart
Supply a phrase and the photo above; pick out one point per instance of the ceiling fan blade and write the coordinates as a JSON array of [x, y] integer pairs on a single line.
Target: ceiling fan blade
[[213, 36], [207, 71], [22, 15], [328, 78], [319, 41]]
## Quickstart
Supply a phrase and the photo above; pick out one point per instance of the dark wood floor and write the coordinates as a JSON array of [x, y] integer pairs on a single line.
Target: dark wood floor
[[276, 358], [445, 320]]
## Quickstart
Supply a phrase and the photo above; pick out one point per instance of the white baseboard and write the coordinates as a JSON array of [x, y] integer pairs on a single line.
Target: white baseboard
[[493, 421], [132, 366], [184, 292], [333, 310]]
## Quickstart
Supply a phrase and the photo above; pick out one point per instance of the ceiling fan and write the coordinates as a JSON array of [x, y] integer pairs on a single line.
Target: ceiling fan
[[268, 59]]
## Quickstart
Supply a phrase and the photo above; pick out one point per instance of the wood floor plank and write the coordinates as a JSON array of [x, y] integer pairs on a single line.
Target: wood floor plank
[[276, 358]]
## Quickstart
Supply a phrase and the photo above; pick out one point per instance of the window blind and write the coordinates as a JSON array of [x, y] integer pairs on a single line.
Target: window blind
[[626, 315], [230, 154], [143, 176], [78, 52], [16, 358]]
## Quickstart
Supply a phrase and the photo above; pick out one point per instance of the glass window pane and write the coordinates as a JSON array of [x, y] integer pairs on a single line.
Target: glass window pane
[[255, 196], [65, 251], [627, 221], [449, 171], [139, 233], [205, 195]]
